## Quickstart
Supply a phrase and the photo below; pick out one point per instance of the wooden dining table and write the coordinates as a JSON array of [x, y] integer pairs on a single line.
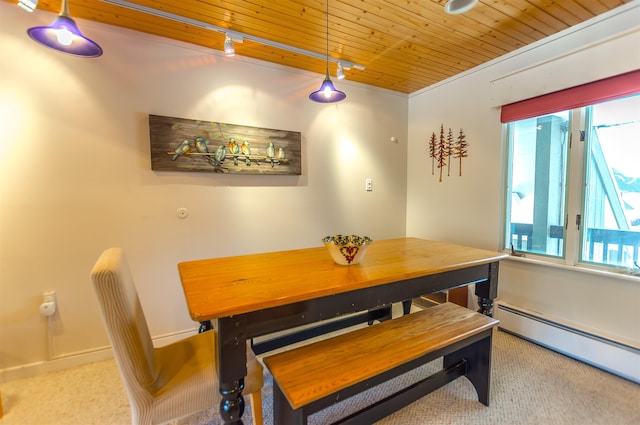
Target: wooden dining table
[[254, 295]]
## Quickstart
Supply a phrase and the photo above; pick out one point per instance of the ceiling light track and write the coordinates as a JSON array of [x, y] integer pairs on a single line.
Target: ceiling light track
[[233, 35]]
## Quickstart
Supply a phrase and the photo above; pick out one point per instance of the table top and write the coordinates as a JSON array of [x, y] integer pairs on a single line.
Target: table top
[[222, 287]]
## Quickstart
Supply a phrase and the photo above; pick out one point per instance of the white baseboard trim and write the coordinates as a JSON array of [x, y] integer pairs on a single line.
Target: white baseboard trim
[[78, 358], [615, 356]]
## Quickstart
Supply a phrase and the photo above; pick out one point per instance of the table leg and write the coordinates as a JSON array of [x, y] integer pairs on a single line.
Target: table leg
[[487, 291], [232, 404], [232, 367], [486, 306]]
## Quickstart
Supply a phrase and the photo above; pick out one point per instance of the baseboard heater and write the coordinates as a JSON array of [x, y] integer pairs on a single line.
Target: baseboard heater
[[614, 356]]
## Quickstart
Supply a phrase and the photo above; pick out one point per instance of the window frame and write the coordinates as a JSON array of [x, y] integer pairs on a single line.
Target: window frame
[[508, 190], [574, 99], [574, 237]]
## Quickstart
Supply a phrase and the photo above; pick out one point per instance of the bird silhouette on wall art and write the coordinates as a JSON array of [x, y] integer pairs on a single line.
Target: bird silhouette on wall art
[[201, 144], [234, 150], [271, 153], [182, 148], [220, 154], [245, 148]]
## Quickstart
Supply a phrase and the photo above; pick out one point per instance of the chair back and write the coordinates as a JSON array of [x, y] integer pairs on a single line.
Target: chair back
[[125, 324]]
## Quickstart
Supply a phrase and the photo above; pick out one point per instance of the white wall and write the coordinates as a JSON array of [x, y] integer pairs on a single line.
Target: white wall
[[469, 209], [75, 175]]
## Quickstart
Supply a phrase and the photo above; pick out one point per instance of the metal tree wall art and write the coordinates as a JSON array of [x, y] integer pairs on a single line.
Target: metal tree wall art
[[441, 152], [461, 150], [449, 149], [444, 149], [432, 152]]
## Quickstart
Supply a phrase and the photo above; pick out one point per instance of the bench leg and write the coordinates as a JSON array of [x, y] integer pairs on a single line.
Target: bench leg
[[406, 307], [283, 414], [478, 356]]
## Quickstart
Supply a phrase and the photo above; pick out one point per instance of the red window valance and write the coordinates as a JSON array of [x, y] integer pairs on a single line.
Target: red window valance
[[575, 97]]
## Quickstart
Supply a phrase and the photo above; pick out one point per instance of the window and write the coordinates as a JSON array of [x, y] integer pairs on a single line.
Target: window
[[537, 186], [611, 224], [573, 177]]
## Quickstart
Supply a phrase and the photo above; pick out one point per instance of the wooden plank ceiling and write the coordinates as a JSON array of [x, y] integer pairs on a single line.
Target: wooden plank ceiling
[[405, 45]]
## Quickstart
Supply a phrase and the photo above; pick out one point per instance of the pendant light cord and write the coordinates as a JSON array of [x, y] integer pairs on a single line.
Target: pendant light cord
[[327, 38], [327, 93], [65, 8]]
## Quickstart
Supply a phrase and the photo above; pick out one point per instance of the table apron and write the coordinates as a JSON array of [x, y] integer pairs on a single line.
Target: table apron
[[329, 307], [234, 331]]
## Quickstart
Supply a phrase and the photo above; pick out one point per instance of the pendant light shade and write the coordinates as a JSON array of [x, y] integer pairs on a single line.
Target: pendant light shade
[[63, 35], [327, 93]]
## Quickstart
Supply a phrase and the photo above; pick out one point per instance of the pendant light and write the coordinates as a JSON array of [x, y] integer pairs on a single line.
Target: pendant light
[[327, 93], [63, 35]]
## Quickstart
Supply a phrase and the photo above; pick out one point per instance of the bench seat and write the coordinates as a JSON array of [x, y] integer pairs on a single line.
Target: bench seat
[[312, 377]]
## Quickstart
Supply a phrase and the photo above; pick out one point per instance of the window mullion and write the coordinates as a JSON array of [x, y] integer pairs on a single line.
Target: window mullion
[[575, 186]]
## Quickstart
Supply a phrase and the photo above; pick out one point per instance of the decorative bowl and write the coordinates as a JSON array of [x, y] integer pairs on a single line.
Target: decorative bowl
[[347, 250]]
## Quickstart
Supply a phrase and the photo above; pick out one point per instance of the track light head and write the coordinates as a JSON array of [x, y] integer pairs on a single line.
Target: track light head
[[229, 50], [340, 72], [231, 37], [28, 5]]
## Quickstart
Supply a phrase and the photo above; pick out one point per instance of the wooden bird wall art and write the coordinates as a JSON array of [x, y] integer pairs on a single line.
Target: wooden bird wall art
[[444, 150], [179, 144]]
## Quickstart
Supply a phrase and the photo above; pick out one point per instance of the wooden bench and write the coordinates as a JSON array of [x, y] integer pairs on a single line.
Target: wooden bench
[[313, 377]]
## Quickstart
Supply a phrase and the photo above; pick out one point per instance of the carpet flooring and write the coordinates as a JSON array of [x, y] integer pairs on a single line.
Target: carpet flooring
[[530, 385]]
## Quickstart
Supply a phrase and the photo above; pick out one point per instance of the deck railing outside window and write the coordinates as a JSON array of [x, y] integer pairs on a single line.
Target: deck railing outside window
[[620, 248]]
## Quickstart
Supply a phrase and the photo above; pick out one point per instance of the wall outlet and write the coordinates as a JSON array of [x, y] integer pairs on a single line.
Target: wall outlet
[[368, 184], [49, 305], [49, 297]]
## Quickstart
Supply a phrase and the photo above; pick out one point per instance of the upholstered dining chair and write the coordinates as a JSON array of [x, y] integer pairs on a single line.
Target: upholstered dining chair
[[165, 383]]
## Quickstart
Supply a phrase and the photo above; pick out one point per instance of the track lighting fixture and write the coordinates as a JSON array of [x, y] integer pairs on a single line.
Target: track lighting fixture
[[236, 37], [229, 38], [340, 72], [229, 50], [327, 93], [63, 35], [28, 5]]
